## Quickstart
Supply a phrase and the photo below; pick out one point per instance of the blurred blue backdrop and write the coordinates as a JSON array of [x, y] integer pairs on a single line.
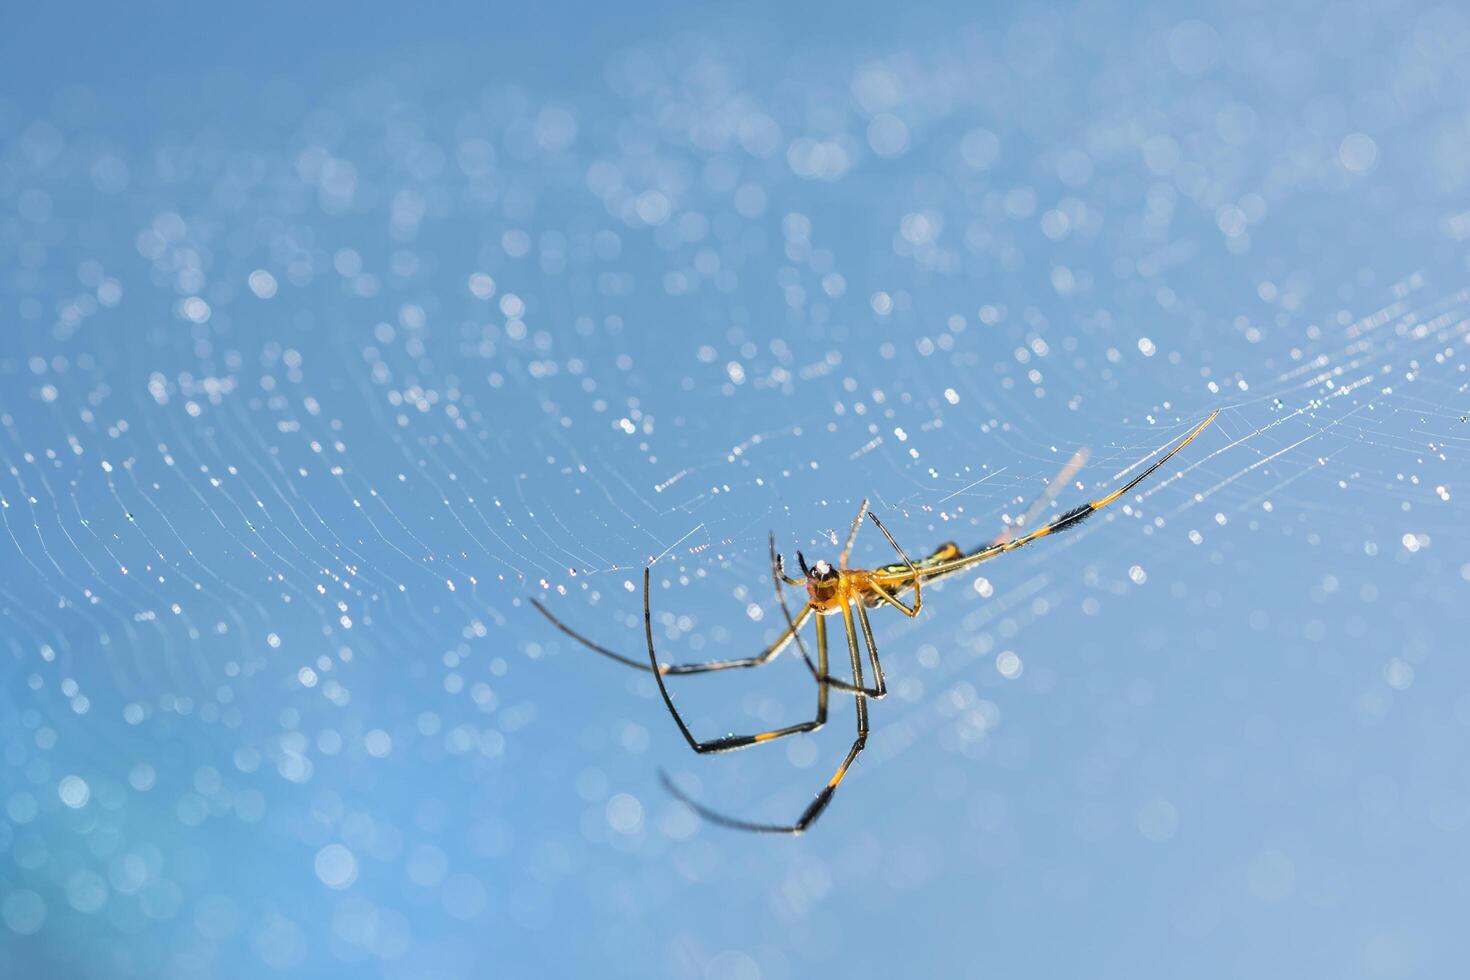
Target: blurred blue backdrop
[[329, 336]]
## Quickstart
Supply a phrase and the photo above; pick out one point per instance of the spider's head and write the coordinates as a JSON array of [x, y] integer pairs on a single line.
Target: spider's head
[[821, 580]]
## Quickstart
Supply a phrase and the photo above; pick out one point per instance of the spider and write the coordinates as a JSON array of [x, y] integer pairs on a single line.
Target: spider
[[850, 593]]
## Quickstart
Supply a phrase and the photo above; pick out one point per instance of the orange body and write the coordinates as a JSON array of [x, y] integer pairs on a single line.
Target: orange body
[[828, 596]]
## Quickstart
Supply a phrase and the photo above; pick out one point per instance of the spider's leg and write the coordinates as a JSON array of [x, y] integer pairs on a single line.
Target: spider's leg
[[878, 691], [857, 522], [1070, 519], [781, 570], [764, 657], [729, 743], [778, 572], [872, 644], [911, 578], [819, 803], [778, 568], [1044, 498]]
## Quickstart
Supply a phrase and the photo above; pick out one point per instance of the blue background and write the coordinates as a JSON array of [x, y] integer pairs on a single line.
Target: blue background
[[329, 336]]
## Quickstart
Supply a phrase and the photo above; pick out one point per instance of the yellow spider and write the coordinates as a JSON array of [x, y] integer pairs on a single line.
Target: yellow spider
[[849, 592]]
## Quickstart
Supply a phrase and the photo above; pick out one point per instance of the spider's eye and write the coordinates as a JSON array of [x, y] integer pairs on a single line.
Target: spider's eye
[[823, 572]]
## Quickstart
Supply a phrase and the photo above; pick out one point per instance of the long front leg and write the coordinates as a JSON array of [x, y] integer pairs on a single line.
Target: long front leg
[[824, 797], [764, 657], [729, 743]]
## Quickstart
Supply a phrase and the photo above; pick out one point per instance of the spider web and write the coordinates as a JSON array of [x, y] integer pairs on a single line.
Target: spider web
[[292, 427]]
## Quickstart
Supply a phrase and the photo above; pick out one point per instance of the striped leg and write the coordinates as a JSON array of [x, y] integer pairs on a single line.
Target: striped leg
[[824, 797], [730, 743]]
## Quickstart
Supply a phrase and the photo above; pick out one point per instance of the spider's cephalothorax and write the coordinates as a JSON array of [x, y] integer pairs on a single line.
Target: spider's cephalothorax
[[849, 592], [824, 584]]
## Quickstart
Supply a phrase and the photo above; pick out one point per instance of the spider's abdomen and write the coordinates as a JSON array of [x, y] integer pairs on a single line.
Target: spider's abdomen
[[948, 551]]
